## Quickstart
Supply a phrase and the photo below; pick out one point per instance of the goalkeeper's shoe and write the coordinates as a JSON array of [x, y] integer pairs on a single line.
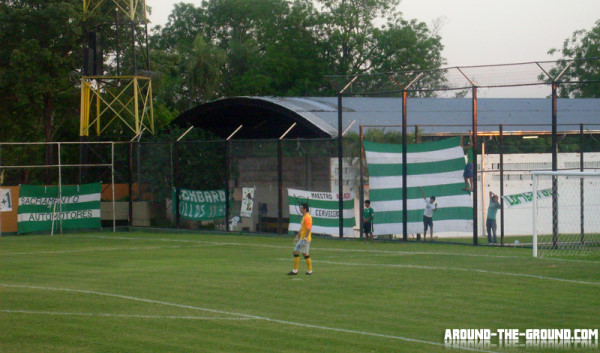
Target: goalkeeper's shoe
[[308, 273], [292, 273]]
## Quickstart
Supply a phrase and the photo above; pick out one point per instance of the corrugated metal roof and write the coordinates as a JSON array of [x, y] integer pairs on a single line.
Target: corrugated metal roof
[[432, 115], [437, 115]]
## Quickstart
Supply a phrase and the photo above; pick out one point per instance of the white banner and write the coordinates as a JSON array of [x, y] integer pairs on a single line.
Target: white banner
[[324, 210], [247, 202], [525, 197], [5, 201]]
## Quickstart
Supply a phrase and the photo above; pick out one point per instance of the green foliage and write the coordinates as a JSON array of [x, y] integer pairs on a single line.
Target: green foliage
[[39, 49], [221, 48], [584, 48], [285, 48]]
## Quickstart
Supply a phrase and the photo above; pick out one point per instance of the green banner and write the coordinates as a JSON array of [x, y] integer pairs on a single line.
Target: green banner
[[40, 207], [201, 205]]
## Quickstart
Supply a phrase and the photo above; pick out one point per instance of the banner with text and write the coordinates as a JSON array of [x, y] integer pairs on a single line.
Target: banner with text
[[40, 207], [324, 210], [5, 201], [201, 205], [525, 197]]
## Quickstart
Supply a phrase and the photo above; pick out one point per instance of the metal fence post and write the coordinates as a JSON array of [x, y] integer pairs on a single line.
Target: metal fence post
[[362, 183], [581, 184], [279, 187], [130, 216], [226, 163], [474, 149], [554, 166], [501, 185], [404, 171], [176, 183], [340, 171]]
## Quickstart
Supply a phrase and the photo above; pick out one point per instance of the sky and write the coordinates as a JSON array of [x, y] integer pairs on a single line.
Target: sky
[[484, 32]]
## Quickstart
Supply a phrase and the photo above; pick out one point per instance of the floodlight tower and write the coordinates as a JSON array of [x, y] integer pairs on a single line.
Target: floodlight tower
[[106, 99]]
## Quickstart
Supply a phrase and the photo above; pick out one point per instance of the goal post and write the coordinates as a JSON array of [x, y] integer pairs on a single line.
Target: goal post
[[566, 213], [58, 206]]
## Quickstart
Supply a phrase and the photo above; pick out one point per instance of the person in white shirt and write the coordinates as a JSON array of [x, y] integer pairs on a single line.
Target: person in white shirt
[[430, 208]]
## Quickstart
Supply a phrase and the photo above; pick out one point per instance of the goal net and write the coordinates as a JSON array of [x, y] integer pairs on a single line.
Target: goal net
[[566, 214]]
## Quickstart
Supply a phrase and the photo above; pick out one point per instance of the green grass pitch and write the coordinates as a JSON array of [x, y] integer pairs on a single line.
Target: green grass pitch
[[165, 292]]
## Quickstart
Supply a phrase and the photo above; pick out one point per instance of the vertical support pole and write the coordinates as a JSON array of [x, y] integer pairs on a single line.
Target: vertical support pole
[[554, 166], [139, 174], [362, 184], [149, 102], [147, 48], [98, 103], [226, 184], [581, 185], [136, 109], [84, 114], [133, 58], [534, 181], [483, 189], [112, 176], [416, 133], [117, 44], [404, 172], [474, 149], [176, 183], [83, 158], [279, 187], [501, 185], [340, 171], [130, 177], [60, 202]]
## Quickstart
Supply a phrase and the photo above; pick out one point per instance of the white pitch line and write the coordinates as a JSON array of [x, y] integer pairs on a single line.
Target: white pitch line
[[370, 251], [285, 322], [81, 250], [135, 248], [161, 317], [389, 252], [438, 268]]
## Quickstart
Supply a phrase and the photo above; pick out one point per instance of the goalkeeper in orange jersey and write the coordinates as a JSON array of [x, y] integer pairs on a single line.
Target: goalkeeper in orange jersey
[[302, 240]]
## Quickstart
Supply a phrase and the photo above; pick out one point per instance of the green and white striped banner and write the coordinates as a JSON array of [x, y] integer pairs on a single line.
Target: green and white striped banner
[[78, 207], [437, 167], [324, 210]]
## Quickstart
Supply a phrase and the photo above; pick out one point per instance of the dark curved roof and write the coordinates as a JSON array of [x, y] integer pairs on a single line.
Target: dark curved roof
[[316, 117], [261, 117]]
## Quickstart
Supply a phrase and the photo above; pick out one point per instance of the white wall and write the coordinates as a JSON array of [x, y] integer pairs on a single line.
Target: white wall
[[517, 179]]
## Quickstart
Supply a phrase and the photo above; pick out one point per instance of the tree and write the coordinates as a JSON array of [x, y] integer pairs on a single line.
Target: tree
[[40, 46], [582, 49], [191, 66], [285, 48], [348, 28], [357, 45]]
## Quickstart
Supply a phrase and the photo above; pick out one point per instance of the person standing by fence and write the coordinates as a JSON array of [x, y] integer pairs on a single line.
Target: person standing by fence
[[368, 214], [490, 222], [430, 208]]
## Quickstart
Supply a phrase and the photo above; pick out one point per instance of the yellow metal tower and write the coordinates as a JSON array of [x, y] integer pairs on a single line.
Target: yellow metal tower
[[109, 99]]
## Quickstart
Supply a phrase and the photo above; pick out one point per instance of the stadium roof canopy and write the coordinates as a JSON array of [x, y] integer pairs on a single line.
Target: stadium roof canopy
[[316, 117]]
